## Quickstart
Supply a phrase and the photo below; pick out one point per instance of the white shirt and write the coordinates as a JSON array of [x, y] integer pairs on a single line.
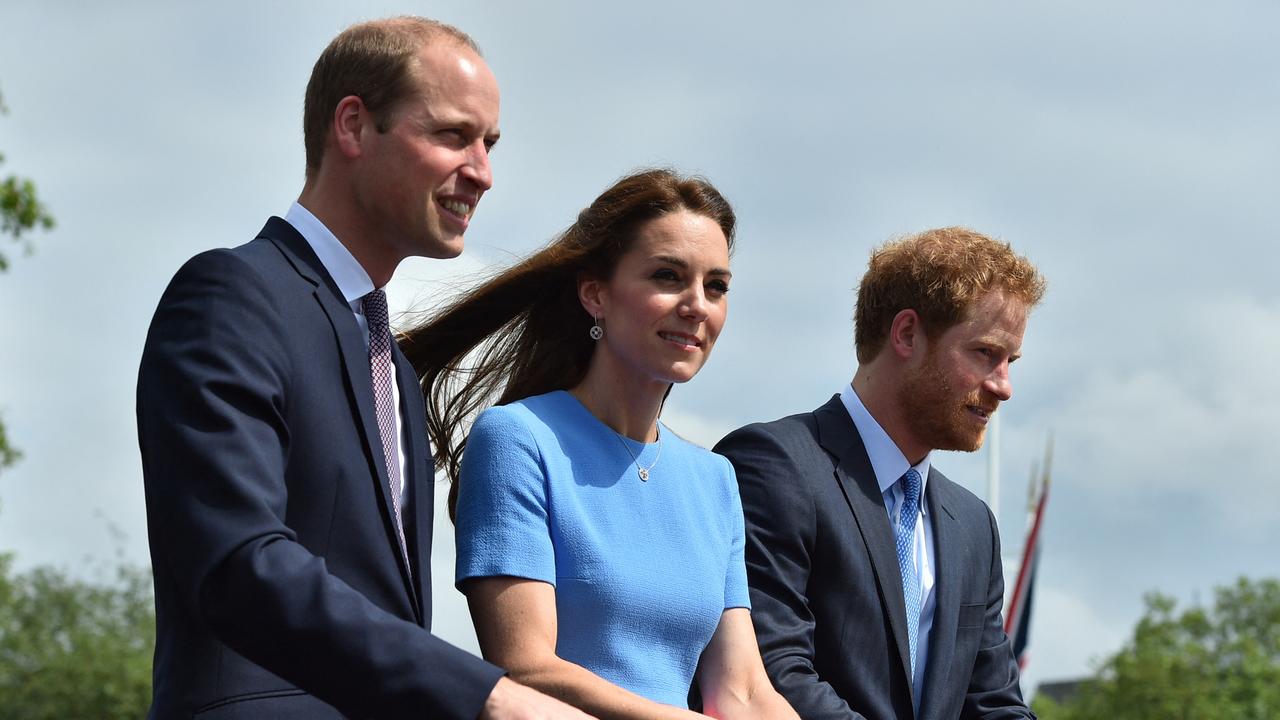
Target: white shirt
[[354, 283], [889, 465]]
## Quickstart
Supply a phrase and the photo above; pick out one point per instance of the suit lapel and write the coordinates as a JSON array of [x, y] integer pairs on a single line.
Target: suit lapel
[[355, 363], [839, 436], [948, 550], [420, 476]]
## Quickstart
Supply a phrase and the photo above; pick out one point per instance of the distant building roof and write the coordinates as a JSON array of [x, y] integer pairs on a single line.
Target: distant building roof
[[1061, 691]]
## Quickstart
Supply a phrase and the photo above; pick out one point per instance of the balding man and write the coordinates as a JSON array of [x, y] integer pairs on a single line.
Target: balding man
[[288, 480]]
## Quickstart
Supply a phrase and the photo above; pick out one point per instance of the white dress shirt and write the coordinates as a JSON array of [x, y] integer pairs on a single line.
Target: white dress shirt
[[354, 283], [889, 465]]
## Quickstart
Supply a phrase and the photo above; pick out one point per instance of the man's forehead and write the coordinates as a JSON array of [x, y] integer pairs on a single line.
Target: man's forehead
[[447, 56], [458, 90], [994, 316], [450, 64], [996, 304]]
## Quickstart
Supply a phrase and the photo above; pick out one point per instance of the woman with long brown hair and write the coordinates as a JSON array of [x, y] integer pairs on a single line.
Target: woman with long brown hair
[[600, 553]]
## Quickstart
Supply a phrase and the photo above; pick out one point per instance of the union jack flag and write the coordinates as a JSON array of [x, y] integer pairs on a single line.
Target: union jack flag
[[1017, 618]]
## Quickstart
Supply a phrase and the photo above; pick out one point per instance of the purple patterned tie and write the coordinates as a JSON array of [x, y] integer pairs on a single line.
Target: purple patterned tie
[[382, 373]]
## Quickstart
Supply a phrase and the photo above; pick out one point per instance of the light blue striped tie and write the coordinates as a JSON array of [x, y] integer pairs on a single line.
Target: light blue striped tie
[[905, 535]]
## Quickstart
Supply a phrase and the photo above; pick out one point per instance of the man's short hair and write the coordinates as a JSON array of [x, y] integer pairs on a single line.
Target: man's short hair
[[939, 274], [373, 61]]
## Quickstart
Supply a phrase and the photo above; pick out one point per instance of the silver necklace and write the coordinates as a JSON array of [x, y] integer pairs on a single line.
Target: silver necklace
[[642, 471]]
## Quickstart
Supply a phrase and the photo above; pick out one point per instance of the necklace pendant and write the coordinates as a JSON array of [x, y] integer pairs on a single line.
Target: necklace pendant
[[644, 474]]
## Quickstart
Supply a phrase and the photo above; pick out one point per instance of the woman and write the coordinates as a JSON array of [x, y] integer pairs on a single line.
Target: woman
[[600, 553]]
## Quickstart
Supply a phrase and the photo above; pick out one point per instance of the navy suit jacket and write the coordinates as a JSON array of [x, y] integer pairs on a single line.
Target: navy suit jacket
[[826, 592], [280, 588]]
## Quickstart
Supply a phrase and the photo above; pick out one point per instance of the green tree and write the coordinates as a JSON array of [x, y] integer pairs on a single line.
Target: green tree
[[20, 212], [20, 209], [75, 648], [1215, 663]]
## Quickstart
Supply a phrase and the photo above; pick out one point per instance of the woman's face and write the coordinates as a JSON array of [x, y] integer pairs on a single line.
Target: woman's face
[[665, 305]]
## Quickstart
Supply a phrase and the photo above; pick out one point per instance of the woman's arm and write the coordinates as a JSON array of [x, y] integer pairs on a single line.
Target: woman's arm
[[731, 675], [515, 622]]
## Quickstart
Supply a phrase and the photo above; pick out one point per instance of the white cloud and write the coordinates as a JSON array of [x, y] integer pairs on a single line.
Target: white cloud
[[1192, 416]]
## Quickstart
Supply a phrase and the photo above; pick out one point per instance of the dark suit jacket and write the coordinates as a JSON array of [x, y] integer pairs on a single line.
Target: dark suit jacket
[[280, 588], [826, 592]]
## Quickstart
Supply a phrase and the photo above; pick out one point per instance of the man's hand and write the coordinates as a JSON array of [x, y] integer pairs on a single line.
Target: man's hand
[[512, 701]]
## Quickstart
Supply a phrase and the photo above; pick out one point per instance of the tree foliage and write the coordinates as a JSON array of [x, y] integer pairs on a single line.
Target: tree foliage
[[75, 648], [20, 208], [8, 454], [1215, 663], [20, 212]]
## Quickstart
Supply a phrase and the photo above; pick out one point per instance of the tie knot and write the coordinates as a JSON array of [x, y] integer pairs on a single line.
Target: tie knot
[[375, 310], [911, 487]]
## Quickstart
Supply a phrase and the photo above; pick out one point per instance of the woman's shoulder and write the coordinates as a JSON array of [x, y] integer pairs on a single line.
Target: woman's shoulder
[[532, 414], [556, 401], [515, 434]]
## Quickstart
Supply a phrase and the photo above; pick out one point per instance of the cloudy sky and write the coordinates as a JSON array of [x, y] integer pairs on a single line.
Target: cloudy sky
[[1129, 149]]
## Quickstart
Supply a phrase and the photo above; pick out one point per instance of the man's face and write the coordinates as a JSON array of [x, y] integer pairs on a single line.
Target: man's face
[[950, 392], [419, 182]]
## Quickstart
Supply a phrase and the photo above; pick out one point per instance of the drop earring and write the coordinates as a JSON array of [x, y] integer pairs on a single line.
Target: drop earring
[[596, 332]]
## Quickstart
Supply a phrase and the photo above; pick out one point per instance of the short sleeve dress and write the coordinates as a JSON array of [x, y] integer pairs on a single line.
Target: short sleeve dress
[[642, 570]]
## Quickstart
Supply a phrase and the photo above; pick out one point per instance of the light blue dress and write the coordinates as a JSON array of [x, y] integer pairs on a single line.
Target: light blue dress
[[642, 570]]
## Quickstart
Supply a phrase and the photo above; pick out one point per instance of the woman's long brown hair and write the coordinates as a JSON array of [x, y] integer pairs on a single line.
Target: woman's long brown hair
[[524, 332]]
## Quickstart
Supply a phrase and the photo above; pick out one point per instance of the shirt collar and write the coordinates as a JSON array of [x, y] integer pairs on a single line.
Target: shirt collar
[[352, 280], [887, 461]]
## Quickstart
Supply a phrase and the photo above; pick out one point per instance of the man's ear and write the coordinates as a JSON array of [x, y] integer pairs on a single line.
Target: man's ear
[[351, 120], [906, 334], [592, 294]]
